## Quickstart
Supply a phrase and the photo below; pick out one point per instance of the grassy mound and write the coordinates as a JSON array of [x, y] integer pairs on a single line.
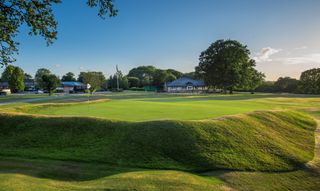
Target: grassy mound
[[265, 140]]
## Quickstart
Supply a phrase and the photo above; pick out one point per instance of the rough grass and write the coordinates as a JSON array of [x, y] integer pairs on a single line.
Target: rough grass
[[264, 140], [46, 175]]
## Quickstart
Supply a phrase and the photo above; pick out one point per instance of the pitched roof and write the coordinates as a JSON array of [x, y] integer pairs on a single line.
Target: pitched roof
[[184, 82], [72, 84]]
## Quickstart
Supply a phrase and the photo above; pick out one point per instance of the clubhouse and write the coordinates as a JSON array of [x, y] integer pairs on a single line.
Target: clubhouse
[[186, 85]]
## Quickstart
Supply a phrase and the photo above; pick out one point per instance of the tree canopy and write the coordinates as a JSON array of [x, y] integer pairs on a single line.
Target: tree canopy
[[38, 77], [50, 82], [68, 77], [226, 65], [15, 78], [310, 81], [38, 16], [95, 79]]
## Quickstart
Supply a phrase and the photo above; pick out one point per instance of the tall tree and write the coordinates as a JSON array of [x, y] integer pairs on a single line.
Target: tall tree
[[68, 77], [15, 77], [144, 73], [133, 81], [95, 79], [50, 82], [310, 81], [225, 64], [286, 84], [38, 16], [38, 77], [27, 76], [160, 77]]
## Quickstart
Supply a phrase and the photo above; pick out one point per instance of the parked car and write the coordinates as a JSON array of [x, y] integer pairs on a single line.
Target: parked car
[[5, 92], [39, 92]]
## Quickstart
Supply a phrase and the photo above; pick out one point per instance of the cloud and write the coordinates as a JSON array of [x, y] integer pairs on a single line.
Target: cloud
[[265, 54], [57, 65], [301, 48], [304, 59]]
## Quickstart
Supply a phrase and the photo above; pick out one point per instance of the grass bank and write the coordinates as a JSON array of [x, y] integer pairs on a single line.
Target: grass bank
[[264, 140]]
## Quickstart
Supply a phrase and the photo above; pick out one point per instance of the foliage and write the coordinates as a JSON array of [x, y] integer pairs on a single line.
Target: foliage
[[225, 65], [149, 75], [15, 78], [144, 73], [95, 79], [38, 77], [133, 81], [286, 84], [27, 76], [268, 141], [118, 78], [310, 81], [266, 86], [68, 77], [160, 77], [50, 82], [38, 16]]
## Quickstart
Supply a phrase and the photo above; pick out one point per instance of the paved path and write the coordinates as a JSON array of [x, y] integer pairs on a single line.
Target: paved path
[[32, 100]]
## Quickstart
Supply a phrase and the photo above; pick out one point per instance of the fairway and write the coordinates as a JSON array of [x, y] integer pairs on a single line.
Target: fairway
[[150, 106], [158, 141]]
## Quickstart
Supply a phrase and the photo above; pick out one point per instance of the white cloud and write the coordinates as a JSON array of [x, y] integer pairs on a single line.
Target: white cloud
[[57, 65], [304, 59], [265, 54], [301, 48]]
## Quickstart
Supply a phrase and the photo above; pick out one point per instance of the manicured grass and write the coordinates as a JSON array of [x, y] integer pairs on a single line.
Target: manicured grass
[[150, 106], [118, 155], [268, 141]]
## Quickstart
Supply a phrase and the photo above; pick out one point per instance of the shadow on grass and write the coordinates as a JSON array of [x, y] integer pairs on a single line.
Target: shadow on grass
[[61, 170]]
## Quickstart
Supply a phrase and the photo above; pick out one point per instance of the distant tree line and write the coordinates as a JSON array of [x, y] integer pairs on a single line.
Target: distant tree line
[[309, 83], [224, 65]]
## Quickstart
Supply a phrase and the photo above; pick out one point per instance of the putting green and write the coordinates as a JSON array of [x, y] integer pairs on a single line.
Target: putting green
[[146, 107]]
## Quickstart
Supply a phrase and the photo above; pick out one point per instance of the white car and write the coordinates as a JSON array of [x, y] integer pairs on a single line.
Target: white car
[[39, 92], [5, 92]]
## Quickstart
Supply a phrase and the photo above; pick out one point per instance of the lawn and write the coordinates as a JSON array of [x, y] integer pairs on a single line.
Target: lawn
[[148, 141], [150, 106]]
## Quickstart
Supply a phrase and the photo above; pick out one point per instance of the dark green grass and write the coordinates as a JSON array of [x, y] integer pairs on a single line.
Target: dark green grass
[[266, 141]]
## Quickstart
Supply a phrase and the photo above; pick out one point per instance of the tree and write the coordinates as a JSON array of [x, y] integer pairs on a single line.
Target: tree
[[266, 86], [310, 81], [255, 79], [175, 73], [50, 82], [68, 77], [160, 77], [144, 74], [15, 77], [133, 81], [224, 65], [38, 16], [123, 81], [286, 84], [38, 77], [95, 79], [27, 76]]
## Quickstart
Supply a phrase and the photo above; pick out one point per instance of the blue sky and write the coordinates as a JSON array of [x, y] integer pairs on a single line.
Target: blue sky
[[283, 36]]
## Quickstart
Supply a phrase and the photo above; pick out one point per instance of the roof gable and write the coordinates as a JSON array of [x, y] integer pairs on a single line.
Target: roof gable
[[184, 82]]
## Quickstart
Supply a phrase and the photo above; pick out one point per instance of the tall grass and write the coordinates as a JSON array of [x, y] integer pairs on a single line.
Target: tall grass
[[264, 140]]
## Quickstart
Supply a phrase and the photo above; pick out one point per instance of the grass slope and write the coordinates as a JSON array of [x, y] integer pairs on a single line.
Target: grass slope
[[46, 175], [265, 140]]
